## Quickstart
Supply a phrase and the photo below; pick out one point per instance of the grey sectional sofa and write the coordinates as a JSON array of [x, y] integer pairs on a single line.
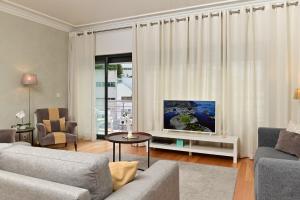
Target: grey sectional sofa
[[277, 174], [32, 173], [7, 135]]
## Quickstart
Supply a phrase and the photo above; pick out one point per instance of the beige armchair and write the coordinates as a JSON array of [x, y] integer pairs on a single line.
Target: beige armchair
[[65, 136]]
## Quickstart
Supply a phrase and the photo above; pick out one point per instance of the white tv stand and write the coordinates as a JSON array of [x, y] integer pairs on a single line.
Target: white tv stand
[[191, 147]]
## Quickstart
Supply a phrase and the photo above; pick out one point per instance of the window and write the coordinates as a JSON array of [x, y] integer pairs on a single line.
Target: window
[[113, 80]]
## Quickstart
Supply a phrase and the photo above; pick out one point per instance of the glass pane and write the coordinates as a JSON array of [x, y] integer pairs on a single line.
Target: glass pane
[[119, 94], [100, 98]]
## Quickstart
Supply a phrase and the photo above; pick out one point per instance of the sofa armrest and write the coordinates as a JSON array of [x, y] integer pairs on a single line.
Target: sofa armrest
[[159, 182], [267, 137], [7, 135], [277, 179], [70, 126], [15, 186]]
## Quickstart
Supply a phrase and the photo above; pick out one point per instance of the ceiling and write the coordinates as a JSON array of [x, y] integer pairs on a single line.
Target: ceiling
[[79, 12]]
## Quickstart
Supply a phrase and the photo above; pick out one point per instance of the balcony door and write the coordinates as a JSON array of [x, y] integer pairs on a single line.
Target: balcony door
[[113, 76]]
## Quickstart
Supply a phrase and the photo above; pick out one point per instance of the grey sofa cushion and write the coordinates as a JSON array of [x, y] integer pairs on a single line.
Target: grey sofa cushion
[[19, 187], [267, 137], [269, 152], [8, 145], [159, 182], [5, 145], [277, 179], [289, 142], [83, 170], [7, 135]]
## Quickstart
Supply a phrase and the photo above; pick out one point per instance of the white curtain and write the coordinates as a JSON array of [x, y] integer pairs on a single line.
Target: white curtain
[[245, 59], [204, 78], [82, 83], [294, 58], [240, 100]]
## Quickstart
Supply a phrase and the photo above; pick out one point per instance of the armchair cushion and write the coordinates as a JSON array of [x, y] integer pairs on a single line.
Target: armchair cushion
[[49, 139], [51, 114], [55, 125]]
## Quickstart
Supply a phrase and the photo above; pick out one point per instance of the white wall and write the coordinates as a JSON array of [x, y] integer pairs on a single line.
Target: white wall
[[26, 46], [114, 42]]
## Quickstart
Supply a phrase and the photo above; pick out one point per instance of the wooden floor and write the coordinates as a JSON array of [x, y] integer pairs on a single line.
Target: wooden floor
[[244, 189]]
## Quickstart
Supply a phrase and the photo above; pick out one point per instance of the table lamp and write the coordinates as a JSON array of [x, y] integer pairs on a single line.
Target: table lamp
[[29, 80]]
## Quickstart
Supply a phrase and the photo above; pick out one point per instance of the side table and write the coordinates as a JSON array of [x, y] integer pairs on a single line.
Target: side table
[[21, 136]]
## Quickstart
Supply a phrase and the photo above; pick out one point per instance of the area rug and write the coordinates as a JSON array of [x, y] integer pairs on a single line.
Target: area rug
[[197, 181]]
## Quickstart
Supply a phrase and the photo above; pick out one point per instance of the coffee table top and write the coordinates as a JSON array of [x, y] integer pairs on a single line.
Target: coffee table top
[[119, 137]]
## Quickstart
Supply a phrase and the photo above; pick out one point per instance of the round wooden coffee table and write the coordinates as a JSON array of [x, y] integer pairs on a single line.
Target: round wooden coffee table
[[120, 138]]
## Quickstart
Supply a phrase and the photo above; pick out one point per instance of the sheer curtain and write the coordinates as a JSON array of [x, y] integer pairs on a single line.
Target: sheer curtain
[[246, 59], [171, 65], [82, 83], [240, 96], [204, 79], [294, 57], [148, 46]]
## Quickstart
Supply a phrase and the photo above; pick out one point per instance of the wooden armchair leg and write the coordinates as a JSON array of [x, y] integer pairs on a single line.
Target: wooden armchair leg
[[66, 144], [75, 144]]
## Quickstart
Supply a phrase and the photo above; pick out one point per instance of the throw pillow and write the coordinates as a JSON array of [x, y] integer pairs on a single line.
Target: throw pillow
[[55, 125], [289, 142], [122, 173]]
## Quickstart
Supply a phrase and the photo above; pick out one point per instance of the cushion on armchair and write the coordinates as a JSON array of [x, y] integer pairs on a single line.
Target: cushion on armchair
[[51, 114], [55, 125]]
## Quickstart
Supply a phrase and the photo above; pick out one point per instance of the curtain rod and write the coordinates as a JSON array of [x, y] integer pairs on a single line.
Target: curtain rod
[[113, 29], [106, 30]]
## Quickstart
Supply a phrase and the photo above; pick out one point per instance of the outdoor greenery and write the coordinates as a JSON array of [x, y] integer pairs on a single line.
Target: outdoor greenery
[[99, 66], [119, 71], [111, 67]]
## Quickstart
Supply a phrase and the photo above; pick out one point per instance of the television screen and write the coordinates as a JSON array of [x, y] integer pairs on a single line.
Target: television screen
[[190, 115]]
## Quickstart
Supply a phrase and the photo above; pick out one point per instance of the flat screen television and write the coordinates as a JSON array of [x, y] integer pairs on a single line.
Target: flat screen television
[[196, 116]]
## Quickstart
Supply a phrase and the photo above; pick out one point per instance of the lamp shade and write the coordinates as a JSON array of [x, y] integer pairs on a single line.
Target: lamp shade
[[297, 93], [29, 79]]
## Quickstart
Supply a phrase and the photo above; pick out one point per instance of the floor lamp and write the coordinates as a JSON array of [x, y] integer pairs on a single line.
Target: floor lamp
[[29, 80]]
